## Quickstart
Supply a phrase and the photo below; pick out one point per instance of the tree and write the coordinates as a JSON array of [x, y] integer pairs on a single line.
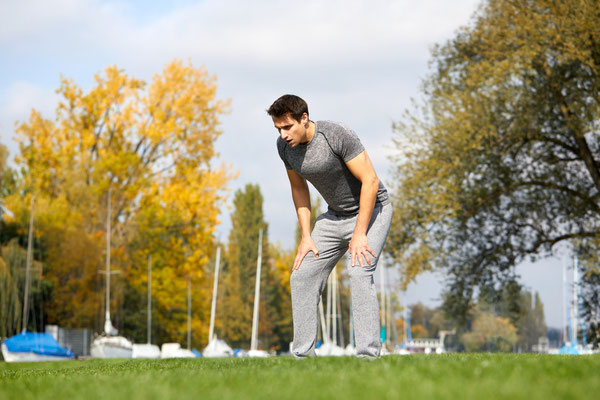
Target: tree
[[532, 323], [151, 148], [490, 333], [590, 293], [7, 175], [247, 219], [499, 161]]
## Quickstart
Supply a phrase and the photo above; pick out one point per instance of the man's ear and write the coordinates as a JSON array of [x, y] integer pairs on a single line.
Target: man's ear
[[304, 120]]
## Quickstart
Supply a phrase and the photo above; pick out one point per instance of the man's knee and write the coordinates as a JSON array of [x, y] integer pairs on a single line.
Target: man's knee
[[301, 277], [358, 272]]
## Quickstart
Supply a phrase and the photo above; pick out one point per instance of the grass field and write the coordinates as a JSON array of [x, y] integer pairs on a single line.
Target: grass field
[[448, 376]]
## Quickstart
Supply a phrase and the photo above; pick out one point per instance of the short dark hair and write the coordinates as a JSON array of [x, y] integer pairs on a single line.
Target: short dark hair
[[288, 104]]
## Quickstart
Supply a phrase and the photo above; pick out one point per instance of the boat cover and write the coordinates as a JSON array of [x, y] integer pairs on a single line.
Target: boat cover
[[39, 343]]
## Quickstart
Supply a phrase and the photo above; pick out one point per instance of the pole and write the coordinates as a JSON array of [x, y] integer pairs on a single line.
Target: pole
[[382, 290], [565, 299], [328, 315], [574, 308], [253, 342], [149, 333], [189, 316], [405, 333], [213, 306], [351, 324], [108, 255], [339, 314], [323, 323], [334, 306], [28, 267], [581, 313]]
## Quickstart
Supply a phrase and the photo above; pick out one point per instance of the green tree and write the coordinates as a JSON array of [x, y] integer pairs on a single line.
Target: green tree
[[499, 161], [532, 323], [490, 333], [247, 219]]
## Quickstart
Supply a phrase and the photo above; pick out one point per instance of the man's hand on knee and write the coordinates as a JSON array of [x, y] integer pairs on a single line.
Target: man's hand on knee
[[359, 246], [306, 245]]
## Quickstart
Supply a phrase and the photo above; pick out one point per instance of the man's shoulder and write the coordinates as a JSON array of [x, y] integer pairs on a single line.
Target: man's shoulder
[[327, 126], [281, 145]]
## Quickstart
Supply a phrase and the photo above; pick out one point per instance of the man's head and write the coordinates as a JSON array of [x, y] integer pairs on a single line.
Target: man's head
[[290, 117], [289, 104]]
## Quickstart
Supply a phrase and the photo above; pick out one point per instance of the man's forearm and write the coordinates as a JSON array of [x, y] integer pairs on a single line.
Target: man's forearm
[[368, 196], [301, 197]]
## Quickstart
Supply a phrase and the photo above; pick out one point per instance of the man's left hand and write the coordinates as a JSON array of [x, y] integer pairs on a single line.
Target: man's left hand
[[359, 246]]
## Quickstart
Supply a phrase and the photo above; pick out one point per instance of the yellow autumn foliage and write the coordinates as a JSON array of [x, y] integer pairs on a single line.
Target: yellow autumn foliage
[[152, 144]]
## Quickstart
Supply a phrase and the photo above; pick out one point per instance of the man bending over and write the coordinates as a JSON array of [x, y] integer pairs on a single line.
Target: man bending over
[[358, 218]]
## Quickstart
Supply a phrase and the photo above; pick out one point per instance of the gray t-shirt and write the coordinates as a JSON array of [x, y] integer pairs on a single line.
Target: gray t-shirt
[[322, 162]]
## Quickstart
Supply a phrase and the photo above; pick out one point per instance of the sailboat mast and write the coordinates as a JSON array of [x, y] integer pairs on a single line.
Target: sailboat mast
[[108, 254], [382, 289], [189, 315], [213, 306], [334, 306], [28, 267], [149, 334], [565, 299], [339, 314], [253, 342], [328, 315], [575, 308], [323, 323]]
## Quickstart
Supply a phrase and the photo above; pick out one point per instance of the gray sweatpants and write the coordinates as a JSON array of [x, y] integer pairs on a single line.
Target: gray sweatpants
[[332, 235]]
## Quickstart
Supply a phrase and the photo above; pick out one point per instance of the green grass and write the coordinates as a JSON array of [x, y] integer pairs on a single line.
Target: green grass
[[448, 376]]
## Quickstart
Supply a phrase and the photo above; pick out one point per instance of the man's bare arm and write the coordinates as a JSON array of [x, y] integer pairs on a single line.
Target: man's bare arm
[[301, 197], [362, 168]]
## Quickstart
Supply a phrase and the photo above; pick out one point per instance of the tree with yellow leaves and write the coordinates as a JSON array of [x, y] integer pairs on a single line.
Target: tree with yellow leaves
[[153, 147]]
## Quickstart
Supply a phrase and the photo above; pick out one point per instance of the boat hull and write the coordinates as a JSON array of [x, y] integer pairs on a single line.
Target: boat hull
[[13, 356], [111, 347]]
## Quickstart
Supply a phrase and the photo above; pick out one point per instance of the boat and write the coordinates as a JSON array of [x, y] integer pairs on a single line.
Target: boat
[[217, 348], [174, 350], [34, 346], [254, 351], [147, 350], [109, 344]]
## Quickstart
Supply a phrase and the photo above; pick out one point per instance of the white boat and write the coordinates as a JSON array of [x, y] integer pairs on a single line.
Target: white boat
[[33, 346], [330, 349], [174, 350], [145, 351], [217, 348], [258, 354], [109, 345]]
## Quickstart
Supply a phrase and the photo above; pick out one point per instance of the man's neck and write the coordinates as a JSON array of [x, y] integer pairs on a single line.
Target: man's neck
[[310, 132]]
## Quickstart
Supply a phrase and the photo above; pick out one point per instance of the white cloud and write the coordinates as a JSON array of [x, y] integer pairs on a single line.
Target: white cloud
[[16, 103]]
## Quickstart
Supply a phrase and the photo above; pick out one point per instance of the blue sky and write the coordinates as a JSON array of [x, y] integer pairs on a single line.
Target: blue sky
[[355, 61]]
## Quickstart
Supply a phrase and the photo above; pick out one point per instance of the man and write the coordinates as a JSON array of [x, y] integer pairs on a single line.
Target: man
[[332, 158]]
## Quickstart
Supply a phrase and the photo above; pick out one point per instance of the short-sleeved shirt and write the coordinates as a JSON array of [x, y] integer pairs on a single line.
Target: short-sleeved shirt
[[322, 162]]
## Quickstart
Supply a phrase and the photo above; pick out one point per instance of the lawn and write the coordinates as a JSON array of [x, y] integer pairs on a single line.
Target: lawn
[[448, 376]]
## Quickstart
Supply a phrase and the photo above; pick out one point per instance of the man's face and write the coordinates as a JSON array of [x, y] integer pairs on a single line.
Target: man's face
[[292, 131]]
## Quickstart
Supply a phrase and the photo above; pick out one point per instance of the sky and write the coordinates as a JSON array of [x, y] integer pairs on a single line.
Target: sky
[[359, 62]]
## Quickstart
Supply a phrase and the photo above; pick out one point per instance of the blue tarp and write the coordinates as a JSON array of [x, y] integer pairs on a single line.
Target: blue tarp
[[570, 350], [38, 343]]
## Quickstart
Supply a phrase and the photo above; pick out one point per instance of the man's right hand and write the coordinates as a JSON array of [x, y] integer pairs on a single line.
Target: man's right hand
[[306, 245]]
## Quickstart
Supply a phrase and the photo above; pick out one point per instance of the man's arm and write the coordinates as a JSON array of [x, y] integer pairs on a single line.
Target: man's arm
[[301, 197], [361, 167]]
